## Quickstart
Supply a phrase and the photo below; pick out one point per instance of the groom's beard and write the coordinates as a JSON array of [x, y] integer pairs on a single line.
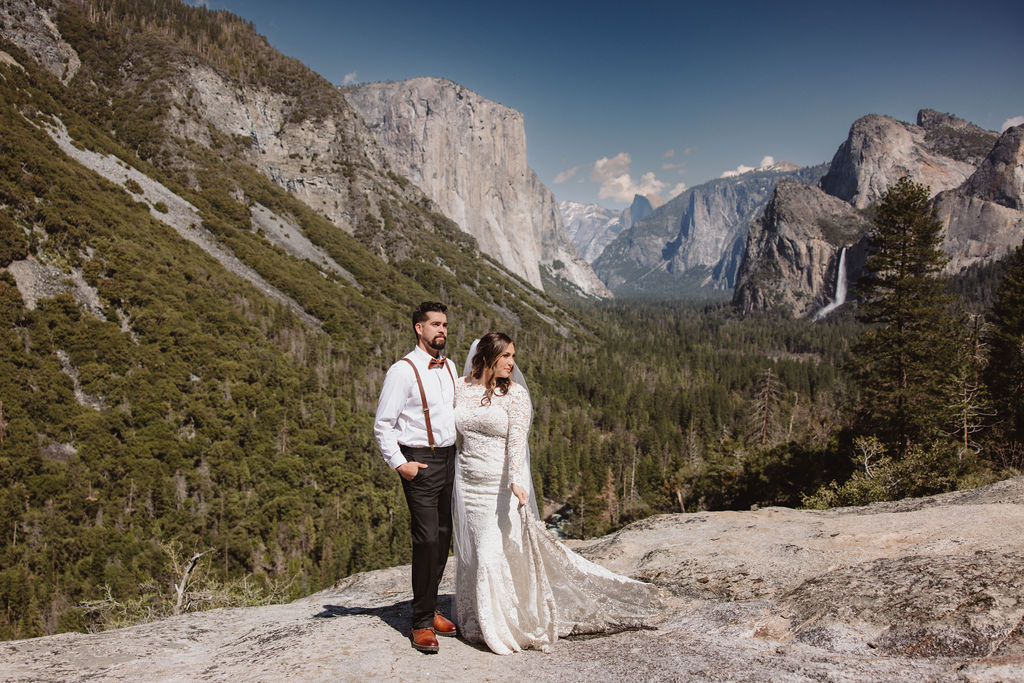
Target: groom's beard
[[437, 343]]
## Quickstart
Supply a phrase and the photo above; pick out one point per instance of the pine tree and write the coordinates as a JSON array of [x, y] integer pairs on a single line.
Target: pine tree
[[1004, 373], [901, 362], [970, 407], [763, 425]]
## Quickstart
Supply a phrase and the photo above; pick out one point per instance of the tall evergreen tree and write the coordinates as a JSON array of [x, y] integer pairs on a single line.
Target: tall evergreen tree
[[1004, 373], [970, 408], [902, 359]]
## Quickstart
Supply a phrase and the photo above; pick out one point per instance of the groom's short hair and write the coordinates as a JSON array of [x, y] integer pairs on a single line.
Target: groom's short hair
[[420, 314]]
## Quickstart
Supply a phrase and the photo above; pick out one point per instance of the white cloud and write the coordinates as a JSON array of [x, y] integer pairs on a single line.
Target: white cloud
[[616, 181], [350, 78], [1015, 121], [677, 190], [565, 175], [740, 170], [605, 168], [766, 163]]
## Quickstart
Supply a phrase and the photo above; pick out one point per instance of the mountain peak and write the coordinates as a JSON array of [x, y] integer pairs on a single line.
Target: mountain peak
[[941, 152], [652, 199], [929, 119], [998, 179]]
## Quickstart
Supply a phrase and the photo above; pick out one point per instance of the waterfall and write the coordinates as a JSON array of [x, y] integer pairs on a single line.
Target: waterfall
[[839, 298]]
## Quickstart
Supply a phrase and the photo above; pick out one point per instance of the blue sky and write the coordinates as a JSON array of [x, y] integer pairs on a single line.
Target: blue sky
[[619, 97]]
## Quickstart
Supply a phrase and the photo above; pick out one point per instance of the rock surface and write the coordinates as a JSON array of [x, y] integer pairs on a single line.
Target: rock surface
[[984, 217], [917, 590], [468, 154], [792, 251]]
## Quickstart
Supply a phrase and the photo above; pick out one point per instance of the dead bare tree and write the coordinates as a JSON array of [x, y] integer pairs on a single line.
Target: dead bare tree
[[184, 570], [970, 407]]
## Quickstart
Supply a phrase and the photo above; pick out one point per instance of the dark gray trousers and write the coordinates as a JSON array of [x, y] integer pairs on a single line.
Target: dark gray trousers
[[429, 496]]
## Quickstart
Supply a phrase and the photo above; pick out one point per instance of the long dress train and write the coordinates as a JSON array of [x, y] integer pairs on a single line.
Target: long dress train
[[516, 585]]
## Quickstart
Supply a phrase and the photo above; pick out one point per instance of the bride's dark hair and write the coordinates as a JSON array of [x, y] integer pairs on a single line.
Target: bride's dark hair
[[488, 351]]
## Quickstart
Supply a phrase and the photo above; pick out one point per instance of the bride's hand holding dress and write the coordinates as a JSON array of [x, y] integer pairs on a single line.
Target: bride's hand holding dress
[[520, 493]]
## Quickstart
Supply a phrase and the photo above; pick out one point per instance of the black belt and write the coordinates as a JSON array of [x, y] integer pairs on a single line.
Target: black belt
[[427, 450]]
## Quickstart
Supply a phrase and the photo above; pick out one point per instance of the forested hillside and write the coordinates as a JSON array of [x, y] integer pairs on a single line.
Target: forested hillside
[[191, 409], [156, 405]]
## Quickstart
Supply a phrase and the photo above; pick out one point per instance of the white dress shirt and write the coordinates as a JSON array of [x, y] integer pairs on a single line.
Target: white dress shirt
[[400, 411]]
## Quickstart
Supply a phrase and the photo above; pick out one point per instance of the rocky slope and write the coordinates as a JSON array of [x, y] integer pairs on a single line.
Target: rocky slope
[[974, 176], [35, 32], [468, 154], [329, 162], [695, 241], [591, 227], [916, 590]]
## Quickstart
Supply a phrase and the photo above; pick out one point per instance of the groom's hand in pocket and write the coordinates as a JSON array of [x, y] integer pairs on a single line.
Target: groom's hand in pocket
[[409, 470]]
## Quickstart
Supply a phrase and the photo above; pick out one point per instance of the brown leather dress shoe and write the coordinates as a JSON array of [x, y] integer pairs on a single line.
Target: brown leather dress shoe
[[444, 626], [423, 640]]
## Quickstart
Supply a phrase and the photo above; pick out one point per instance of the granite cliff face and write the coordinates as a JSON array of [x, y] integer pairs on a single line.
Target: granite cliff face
[[591, 227], [330, 162], [916, 590], [792, 251], [468, 154], [975, 177], [694, 242], [1000, 178], [941, 151], [984, 217]]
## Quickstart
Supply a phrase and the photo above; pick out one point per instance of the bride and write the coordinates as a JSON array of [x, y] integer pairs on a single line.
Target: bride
[[516, 586]]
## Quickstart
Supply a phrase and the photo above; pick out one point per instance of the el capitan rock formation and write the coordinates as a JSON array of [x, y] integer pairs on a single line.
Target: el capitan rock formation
[[468, 154]]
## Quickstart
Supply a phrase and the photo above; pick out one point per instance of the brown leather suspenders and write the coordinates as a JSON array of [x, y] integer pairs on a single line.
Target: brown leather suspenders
[[423, 396]]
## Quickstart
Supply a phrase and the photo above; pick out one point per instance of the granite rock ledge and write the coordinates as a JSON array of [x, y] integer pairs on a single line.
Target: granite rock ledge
[[917, 590]]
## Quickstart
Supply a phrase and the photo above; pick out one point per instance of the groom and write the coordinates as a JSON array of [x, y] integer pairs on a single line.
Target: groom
[[415, 429]]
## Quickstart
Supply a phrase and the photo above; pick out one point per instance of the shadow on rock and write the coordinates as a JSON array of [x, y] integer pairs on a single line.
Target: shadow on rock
[[397, 615]]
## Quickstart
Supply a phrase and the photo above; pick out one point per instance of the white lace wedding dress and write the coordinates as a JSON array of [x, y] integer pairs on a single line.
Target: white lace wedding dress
[[516, 586]]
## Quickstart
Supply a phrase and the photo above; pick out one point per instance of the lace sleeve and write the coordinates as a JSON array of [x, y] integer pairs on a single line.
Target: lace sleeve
[[519, 413]]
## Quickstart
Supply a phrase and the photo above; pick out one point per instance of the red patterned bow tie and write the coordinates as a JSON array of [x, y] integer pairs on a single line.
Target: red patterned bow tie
[[435, 363]]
